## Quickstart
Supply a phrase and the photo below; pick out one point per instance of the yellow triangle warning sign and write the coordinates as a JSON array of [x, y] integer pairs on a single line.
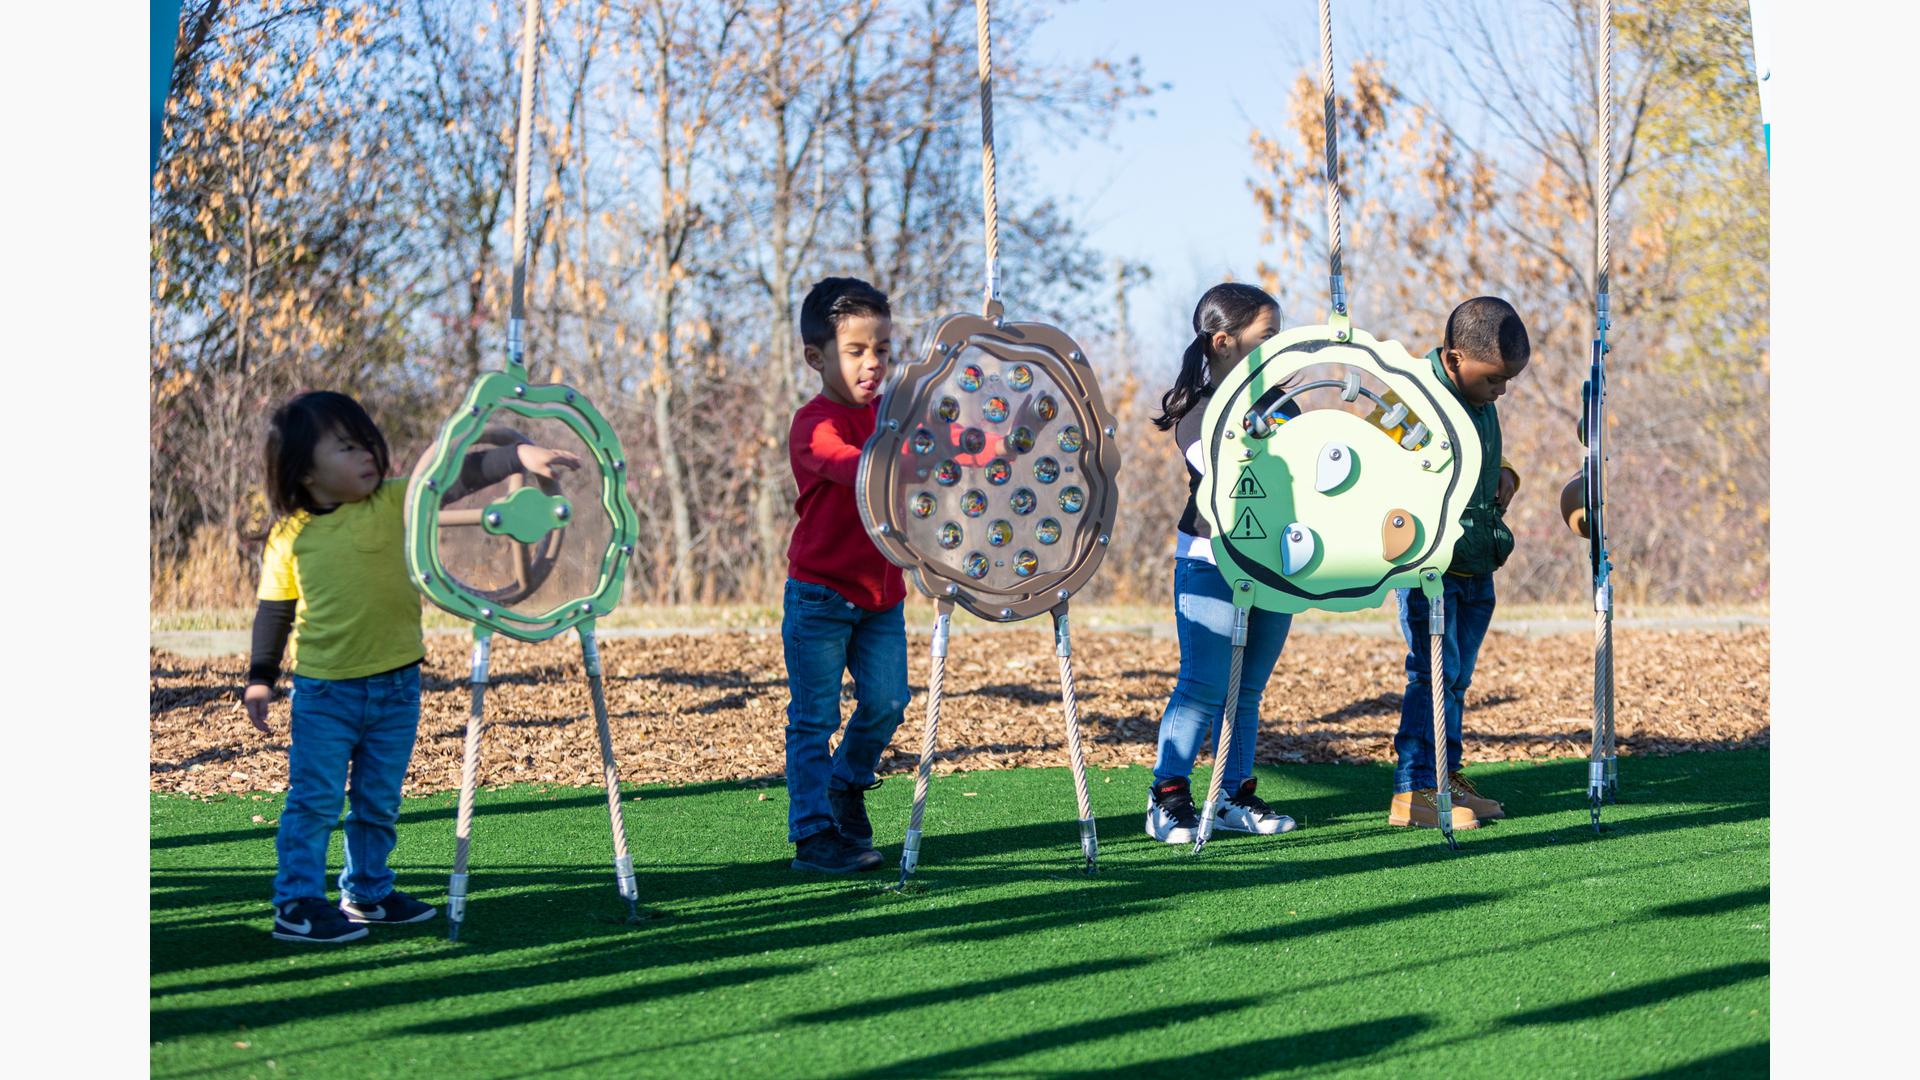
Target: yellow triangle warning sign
[[1248, 527], [1248, 486]]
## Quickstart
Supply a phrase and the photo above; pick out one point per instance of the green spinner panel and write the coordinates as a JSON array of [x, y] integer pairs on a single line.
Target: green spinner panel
[[1333, 509], [531, 526]]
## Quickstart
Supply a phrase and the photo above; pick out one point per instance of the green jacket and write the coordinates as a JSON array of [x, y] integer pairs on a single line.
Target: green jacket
[[1485, 541]]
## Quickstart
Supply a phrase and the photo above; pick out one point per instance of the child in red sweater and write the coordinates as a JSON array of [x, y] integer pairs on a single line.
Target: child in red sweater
[[843, 598]]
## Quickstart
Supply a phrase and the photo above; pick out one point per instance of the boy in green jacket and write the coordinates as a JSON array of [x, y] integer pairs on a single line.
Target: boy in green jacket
[[1485, 348]]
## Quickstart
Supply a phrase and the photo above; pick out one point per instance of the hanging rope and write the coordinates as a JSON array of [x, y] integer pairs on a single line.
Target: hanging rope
[[1336, 282], [989, 187], [1600, 779], [1603, 253], [936, 684], [1229, 714], [522, 180], [1063, 647]]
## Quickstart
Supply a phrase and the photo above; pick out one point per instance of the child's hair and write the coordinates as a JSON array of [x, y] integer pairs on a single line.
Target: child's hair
[[1485, 327], [297, 427], [834, 299], [1226, 308]]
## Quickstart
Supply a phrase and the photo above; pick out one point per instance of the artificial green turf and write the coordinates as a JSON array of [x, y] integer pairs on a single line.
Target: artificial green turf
[[1538, 949]]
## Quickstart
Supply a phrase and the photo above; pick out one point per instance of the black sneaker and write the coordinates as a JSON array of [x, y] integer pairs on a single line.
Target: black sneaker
[[850, 813], [830, 853], [1171, 817], [311, 919], [1243, 811], [393, 909]]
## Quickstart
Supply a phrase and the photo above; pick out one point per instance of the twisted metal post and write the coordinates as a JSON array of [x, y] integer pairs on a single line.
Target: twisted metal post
[[610, 773], [469, 777], [1229, 714], [522, 186], [1437, 676], [989, 183], [1063, 647], [1336, 281], [936, 682]]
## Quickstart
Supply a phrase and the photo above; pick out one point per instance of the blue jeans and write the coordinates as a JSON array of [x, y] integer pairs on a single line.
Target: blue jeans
[[1203, 617], [1469, 613], [825, 636], [356, 736]]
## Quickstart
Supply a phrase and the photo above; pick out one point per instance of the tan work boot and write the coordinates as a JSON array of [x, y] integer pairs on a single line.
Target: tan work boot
[[1422, 808], [1465, 794]]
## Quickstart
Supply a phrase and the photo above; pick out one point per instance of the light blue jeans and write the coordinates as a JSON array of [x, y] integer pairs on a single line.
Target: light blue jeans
[[824, 636], [1203, 618], [353, 736], [1469, 612]]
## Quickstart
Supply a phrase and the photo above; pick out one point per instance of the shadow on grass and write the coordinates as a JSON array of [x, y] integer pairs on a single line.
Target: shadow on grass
[[1641, 995], [566, 915], [1752, 1060]]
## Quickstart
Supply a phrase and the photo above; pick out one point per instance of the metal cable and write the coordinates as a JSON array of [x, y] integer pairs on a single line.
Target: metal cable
[[1089, 843], [469, 779], [1332, 173], [989, 187], [1603, 253], [936, 683], [1442, 771], [1229, 715], [610, 773], [522, 181]]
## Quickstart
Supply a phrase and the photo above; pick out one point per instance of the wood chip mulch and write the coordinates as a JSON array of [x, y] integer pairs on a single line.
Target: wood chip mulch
[[705, 708]]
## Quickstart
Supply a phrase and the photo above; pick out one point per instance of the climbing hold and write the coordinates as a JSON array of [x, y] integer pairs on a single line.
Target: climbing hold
[[1397, 534], [1296, 548], [1334, 466]]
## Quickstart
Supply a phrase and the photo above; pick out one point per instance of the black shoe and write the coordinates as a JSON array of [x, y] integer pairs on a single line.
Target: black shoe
[[393, 909], [1171, 817], [830, 853], [311, 919], [850, 813]]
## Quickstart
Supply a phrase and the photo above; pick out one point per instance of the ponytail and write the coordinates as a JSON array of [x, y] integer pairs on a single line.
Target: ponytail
[[1225, 308], [1180, 400]]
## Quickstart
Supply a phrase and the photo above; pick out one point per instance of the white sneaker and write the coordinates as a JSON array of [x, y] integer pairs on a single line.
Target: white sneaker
[[1243, 811], [1171, 817]]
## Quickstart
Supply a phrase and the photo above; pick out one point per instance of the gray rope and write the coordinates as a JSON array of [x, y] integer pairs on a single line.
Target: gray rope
[[989, 187], [1332, 174], [610, 773], [936, 683], [1606, 648], [1229, 714], [1442, 773], [1603, 154], [1089, 843], [469, 779], [522, 181]]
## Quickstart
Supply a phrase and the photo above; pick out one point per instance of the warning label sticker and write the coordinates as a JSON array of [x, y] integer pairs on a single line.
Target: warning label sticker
[[1247, 527], [1248, 486]]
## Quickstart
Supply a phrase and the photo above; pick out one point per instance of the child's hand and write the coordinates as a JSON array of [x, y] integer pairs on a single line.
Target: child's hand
[[541, 461], [1509, 483], [256, 699]]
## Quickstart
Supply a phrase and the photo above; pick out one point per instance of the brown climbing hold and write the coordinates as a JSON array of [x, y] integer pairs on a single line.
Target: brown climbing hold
[[1397, 533], [1573, 503]]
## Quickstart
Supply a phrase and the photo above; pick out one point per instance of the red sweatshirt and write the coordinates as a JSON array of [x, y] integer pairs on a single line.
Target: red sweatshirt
[[830, 546]]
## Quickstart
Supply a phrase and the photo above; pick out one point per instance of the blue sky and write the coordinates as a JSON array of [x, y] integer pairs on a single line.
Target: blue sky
[[1170, 189]]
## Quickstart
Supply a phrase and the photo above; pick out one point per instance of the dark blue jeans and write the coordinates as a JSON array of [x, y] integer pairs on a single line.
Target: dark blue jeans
[[826, 636], [1203, 618], [1469, 612], [356, 736]]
